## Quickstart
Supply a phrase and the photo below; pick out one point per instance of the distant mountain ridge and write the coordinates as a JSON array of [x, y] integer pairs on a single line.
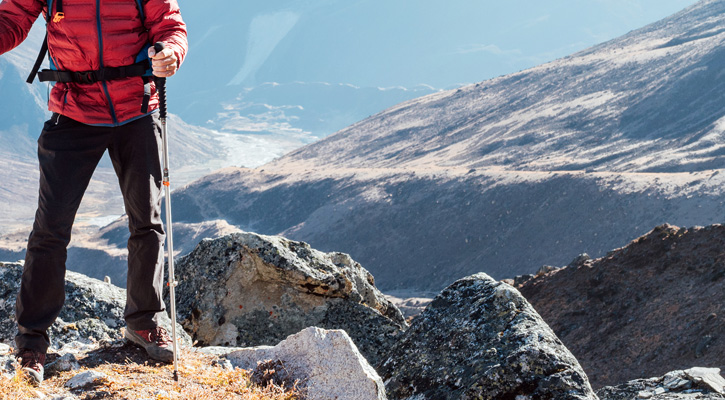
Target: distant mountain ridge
[[581, 154]]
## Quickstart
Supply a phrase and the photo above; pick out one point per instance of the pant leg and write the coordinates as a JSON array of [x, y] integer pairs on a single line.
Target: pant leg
[[134, 152], [68, 153]]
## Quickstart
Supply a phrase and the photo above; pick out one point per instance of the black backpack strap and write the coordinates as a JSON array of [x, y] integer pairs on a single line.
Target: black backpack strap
[[39, 60], [100, 75], [44, 47], [59, 15]]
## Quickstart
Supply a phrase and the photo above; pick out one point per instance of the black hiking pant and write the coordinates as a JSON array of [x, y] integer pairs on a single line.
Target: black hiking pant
[[68, 153]]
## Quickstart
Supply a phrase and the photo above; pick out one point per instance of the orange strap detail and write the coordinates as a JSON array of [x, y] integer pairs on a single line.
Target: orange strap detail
[[58, 17]]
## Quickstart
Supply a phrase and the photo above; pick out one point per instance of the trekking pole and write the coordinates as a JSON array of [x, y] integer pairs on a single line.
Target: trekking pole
[[161, 88]]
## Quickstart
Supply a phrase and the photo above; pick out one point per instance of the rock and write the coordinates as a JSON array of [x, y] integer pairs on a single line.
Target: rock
[[674, 381], [87, 378], [4, 349], [326, 362], [67, 362], [480, 339], [692, 384], [7, 365], [707, 378], [78, 348], [93, 310], [246, 289]]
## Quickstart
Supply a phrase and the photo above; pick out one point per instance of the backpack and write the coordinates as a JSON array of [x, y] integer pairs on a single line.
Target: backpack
[[141, 68]]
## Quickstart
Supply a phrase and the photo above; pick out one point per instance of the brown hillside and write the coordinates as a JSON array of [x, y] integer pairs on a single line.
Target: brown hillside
[[656, 305]]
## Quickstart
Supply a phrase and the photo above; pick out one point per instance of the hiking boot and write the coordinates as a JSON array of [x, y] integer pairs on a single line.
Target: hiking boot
[[156, 342], [31, 363]]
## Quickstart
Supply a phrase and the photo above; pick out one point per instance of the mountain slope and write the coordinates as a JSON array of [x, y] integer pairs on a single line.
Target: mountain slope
[[648, 101], [581, 154], [657, 303]]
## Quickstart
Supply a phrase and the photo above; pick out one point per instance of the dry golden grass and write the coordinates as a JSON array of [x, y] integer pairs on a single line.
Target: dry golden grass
[[198, 380]]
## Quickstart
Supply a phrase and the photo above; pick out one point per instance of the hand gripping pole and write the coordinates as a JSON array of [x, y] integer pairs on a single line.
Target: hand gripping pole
[[161, 89]]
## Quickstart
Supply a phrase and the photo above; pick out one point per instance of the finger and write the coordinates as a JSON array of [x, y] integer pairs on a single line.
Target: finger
[[164, 74], [165, 61], [165, 53], [166, 71], [167, 67]]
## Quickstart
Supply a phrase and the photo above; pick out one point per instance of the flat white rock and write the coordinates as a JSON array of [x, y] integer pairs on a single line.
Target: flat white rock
[[85, 378], [326, 361]]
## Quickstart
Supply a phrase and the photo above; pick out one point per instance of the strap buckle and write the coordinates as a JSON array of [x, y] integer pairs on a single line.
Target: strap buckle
[[85, 77], [58, 17]]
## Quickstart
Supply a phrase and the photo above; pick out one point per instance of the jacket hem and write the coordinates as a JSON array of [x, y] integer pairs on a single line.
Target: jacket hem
[[124, 122]]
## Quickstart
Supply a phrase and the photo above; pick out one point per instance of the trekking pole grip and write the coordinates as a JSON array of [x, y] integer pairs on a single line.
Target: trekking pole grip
[[161, 84]]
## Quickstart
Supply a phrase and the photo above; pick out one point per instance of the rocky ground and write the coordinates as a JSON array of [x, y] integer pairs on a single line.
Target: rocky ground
[[478, 339], [694, 384]]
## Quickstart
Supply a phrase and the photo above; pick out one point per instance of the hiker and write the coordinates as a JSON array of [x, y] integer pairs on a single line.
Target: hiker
[[103, 99]]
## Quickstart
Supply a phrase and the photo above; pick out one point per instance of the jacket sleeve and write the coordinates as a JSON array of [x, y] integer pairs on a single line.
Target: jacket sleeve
[[164, 23], [16, 19]]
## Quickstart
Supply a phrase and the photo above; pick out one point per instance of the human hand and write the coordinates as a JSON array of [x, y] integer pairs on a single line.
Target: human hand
[[164, 63]]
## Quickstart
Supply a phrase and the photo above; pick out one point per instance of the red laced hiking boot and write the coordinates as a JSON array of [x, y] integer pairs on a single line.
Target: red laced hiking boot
[[31, 363], [156, 342]]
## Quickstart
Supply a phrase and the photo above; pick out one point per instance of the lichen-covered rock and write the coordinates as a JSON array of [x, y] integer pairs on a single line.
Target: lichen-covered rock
[[480, 339], [93, 310], [691, 384], [246, 290], [326, 363]]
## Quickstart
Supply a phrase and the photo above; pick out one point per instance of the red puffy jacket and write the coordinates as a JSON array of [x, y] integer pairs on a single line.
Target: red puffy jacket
[[96, 34]]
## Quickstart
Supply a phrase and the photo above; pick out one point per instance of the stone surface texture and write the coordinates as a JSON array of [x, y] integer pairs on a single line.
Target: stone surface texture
[[695, 383], [93, 310], [653, 306], [86, 378], [326, 362], [67, 362], [247, 290], [480, 339]]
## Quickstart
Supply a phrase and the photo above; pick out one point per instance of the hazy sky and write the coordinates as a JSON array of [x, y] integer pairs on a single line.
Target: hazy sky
[[401, 42]]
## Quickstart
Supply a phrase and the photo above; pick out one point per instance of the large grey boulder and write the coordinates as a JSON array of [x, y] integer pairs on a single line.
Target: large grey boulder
[[480, 339], [93, 310], [327, 364], [692, 384], [246, 290]]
